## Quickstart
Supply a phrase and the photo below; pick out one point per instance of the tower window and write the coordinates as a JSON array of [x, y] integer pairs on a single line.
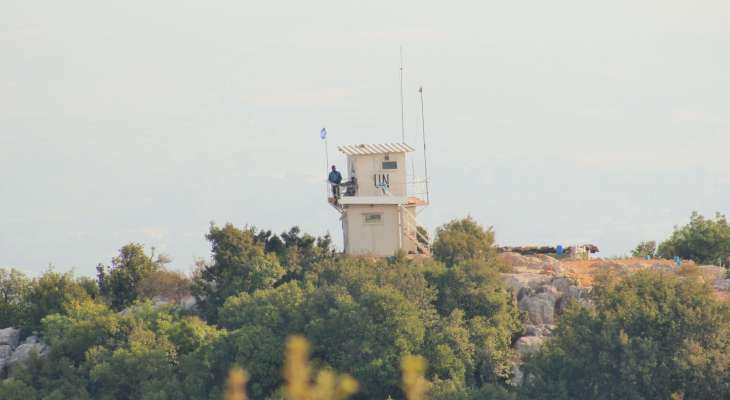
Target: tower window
[[373, 218], [390, 165]]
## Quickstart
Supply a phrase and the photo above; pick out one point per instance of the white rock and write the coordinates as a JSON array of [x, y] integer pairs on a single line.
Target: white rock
[[562, 283], [540, 307], [533, 330], [538, 330], [514, 259], [525, 280], [32, 339], [189, 303], [5, 351], [10, 336], [22, 354], [529, 344], [547, 263], [518, 377], [573, 294]]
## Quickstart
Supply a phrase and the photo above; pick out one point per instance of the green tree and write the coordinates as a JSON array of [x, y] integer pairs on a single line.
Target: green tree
[[468, 313], [650, 336], [645, 249], [57, 379], [50, 294], [461, 240], [119, 282], [143, 368], [239, 265], [85, 325], [14, 389], [189, 334], [296, 252], [135, 354], [90, 285], [14, 304], [410, 278], [366, 336], [476, 289], [279, 309], [355, 326], [451, 354], [703, 240]]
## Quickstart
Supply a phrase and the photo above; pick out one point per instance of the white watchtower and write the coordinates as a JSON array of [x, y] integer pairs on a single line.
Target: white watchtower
[[378, 202]]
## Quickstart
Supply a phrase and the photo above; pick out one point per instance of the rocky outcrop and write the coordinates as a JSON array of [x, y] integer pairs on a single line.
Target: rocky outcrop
[[545, 287], [543, 297], [536, 263], [540, 306], [10, 337], [529, 344], [543, 293], [13, 355], [717, 276], [25, 351]]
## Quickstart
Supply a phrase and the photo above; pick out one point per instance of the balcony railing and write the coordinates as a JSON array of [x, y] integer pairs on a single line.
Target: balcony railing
[[417, 187]]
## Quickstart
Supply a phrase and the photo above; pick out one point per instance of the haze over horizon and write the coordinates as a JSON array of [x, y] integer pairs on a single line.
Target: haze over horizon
[[565, 122]]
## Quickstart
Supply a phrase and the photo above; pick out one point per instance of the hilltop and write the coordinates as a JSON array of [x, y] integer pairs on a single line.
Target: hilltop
[[584, 272]]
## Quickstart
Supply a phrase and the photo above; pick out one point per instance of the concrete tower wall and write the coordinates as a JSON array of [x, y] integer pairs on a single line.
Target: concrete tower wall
[[372, 170], [375, 230]]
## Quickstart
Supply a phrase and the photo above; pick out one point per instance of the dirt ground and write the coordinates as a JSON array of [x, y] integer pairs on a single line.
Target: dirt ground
[[585, 271]]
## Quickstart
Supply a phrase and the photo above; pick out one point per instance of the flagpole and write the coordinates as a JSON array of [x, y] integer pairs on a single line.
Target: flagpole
[[323, 135], [423, 132], [402, 112], [326, 156]]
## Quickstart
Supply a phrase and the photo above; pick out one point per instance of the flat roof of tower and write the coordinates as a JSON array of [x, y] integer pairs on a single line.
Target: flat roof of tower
[[384, 148]]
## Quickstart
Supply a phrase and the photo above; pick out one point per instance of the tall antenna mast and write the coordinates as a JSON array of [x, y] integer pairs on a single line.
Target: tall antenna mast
[[423, 133], [402, 113]]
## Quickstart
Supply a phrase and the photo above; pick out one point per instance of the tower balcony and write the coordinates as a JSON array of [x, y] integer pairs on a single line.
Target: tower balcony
[[349, 194]]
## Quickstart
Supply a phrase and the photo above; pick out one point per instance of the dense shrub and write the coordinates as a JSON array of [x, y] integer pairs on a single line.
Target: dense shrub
[[14, 304], [461, 240], [645, 249], [119, 281], [362, 317], [650, 336], [703, 240], [239, 264]]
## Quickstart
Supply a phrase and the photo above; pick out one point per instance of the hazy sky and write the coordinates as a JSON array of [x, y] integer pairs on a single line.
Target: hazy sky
[[554, 122]]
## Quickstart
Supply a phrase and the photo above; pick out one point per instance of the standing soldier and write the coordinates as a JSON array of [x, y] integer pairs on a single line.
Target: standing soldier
[[335, 178]]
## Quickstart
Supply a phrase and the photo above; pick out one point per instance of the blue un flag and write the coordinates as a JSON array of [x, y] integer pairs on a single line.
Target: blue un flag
[[323, 134]]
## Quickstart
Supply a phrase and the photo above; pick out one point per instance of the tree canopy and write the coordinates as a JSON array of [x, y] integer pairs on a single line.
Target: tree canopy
[[119, 281], [461, 240], [703, 240], [650, 336], [645, 249], [111, 340], [399, 327]]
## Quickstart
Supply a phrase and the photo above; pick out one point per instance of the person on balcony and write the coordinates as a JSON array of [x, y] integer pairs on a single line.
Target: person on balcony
[[351, 187], [335, 179]]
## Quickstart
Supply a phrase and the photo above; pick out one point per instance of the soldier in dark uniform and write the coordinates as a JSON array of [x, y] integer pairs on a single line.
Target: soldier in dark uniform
[[335, 179]]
